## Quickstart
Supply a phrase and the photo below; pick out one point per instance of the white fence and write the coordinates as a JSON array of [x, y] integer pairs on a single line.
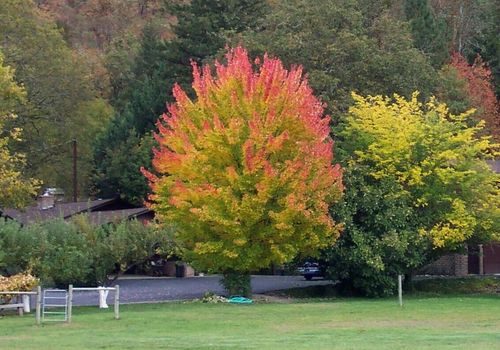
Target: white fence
[[23, 305], [103, 293]]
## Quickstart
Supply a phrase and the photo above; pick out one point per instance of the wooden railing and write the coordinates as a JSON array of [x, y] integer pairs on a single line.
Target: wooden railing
[[23, 305]]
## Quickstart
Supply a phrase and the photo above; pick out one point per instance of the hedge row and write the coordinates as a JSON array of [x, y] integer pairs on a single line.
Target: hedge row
[[76, 252]]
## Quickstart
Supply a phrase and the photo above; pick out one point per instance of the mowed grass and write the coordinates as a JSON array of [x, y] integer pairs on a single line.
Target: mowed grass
[[468, 322]]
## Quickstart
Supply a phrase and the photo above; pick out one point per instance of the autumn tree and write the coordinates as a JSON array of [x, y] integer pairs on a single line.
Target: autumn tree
[[245, 170], [417, 186], [17, 190], [480, 91]]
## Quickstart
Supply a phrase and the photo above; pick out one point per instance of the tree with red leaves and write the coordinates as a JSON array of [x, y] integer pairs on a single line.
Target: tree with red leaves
[[480, 91], [245, 169]]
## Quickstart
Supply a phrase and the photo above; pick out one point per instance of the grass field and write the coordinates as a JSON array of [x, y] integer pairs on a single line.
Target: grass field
[[468, 322]]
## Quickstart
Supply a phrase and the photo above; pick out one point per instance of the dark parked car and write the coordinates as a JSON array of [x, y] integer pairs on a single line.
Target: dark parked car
[[310, 270]]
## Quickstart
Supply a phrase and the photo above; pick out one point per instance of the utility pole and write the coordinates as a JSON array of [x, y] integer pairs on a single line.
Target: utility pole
[[75, 183]]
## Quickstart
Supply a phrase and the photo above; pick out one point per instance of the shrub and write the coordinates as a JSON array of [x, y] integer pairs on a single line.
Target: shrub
[[17, 247], [22, 282], [237, 284], [66, 258]]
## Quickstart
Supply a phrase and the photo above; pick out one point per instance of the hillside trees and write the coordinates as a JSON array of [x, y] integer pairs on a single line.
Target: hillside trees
[[245, 170], [61, 104], [417, 185], [474, 27], [96, 28], [344, 48]]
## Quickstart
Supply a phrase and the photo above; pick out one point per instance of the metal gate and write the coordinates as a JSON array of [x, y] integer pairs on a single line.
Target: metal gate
[[55, 305]]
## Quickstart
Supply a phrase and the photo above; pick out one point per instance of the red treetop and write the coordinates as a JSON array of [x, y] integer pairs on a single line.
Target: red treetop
[[480, 91]]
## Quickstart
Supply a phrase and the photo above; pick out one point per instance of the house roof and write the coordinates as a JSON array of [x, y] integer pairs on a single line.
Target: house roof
[[109, 216], [59, 210]]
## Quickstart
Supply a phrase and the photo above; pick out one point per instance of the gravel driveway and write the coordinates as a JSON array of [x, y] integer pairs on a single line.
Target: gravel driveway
[[135, 290]]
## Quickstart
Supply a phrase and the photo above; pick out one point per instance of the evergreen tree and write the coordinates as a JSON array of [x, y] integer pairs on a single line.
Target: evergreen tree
[[344, 48], [202, 30], [430, 34]]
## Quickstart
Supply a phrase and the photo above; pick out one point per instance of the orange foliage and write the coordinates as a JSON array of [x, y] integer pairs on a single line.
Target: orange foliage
[[480, 91], [245, 170]]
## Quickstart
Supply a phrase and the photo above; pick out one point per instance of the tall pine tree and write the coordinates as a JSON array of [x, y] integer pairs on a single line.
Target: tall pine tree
[[430, 34], [201, 32]]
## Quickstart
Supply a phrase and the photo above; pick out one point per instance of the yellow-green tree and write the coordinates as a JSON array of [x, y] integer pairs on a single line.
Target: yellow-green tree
[[15, 190], [417, 185], [245, 170]]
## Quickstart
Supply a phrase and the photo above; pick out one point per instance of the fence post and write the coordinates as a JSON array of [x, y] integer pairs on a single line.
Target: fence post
[[20, 310], [38, 304], [400, 290], [70, 303], [117, 302]]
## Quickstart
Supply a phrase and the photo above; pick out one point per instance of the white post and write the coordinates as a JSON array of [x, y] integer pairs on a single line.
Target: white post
[[70, 303], [26, 303], [103, 295], [400, 290], [117, 302]]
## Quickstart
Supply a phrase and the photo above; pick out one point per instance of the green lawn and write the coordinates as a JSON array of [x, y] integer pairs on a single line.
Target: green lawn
[[469, 322]]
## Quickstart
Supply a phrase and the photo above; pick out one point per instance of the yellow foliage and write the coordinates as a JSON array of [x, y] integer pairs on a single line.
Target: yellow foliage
[[16, 190], [22, 282], [437, 159]]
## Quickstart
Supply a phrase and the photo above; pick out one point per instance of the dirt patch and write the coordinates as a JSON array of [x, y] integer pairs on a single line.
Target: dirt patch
[[265, 298]]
